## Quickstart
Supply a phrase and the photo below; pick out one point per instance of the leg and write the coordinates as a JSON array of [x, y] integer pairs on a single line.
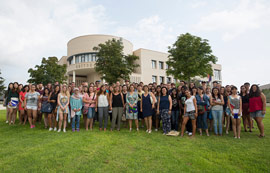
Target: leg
[[249, 121], [220, 125], [200, 122], [114, 116], [100, 117], [137, 123], [120, 113], [227, 123], [176, 120], [65, 121], [50, 120], [73, 123], [34, 116], [193, 127], [46, 120], [185, 120], [29, 116], [150, 123], [214, 114], [244, 122], [204, 122], [238, 121], [14, 115], [77, 117], [21, 116], [146, 122], [130, 124], [60, 121], [106, 114], [10, 115], [25, 117], [260, 125], [234, 127]]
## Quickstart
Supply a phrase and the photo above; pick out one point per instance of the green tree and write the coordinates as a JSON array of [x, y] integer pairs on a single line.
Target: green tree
[[190, 56], [48, 72], [2, 85], [112, 64], [267, 94]]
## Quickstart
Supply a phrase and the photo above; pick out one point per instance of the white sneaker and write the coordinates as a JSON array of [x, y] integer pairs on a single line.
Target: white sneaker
[[150, 131], [55, 129], [147, 131], [64, 130], [50, 129], [189, 134], [186, 132], [137, 129], [59, 130], [156, 130], [130, 129], [7, 122]]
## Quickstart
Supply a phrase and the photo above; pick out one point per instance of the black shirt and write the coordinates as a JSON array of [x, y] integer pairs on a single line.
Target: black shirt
[[117, 100]]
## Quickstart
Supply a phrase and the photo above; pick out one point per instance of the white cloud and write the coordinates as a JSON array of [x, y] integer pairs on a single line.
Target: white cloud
[[247, 15], [30, 30], [150, 32]]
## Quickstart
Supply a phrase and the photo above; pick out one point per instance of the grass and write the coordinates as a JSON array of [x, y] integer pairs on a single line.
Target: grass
[[37, 150]]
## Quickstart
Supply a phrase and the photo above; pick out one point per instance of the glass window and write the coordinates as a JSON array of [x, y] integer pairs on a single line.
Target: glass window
[[161, 79], [154, 79], [166, 67], [169, 80], [86, 57], [154, 64], [80, 58], [174, 80], [83, 58], [77, 59], [217, 75], [161, 65]]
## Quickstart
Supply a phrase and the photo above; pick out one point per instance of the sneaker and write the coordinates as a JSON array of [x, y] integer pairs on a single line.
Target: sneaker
[[137, 129], [34, 126], [235, 137], [31, 126], [55, 129], [50, 129], [130, 129], [189, 134], [11, 122], [59, 130], [227, 132], [78, 130], [147, 131], [186, 132], [6, 122], [73, 130], [156, 130], [64, 130], [238, 137], [150, 131]]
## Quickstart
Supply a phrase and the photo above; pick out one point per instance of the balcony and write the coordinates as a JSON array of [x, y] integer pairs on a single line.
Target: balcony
[[81, 66]]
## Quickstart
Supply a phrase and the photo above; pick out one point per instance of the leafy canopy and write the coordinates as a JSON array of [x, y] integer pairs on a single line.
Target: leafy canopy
[[2, 85], [48, 72], [190, 56], [112, 64]]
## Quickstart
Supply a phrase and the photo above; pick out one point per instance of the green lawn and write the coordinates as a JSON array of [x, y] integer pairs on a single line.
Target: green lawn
[[37, 150]]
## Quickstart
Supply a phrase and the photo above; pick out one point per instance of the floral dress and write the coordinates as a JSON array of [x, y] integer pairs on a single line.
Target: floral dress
[[132, 113]]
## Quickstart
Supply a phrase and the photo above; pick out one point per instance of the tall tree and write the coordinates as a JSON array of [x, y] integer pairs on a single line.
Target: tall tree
[[48, 72], [2, 85], [112, 64], [190, 56]]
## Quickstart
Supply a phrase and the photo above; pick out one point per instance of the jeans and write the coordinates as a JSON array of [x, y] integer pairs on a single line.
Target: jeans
[[103, 114], [166, 120], [117, 113], [217, 117], [202, 121], [91, 113], [77, 119], [175, 118]]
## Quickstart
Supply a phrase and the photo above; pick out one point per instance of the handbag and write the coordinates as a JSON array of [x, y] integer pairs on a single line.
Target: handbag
[[201, 109], [132, 110], [46, 108], [86, 108]]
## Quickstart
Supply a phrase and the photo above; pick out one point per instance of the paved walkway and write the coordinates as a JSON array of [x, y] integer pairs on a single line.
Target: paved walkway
[[2, 107]]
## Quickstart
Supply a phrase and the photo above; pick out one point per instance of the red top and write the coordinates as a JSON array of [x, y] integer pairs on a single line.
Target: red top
[[22, 97], [255, 104]]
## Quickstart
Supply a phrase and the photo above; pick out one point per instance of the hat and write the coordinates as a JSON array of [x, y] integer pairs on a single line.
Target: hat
[[76, 89]]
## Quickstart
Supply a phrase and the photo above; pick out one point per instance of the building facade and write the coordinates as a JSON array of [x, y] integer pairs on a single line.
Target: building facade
[[81, 59]]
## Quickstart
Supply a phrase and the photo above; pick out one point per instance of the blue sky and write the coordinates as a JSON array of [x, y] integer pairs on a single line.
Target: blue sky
[[238, 31]]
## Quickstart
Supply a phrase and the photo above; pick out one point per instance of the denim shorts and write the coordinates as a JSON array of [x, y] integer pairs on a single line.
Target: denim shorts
[[191, 115], [257, 114], [91, 113]]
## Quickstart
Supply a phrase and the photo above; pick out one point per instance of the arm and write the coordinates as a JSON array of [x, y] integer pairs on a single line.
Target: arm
[[170, 107], [240, 110], [20, 98], [25, 101], [158, 103], [141, 104], [110, 102], [58, 102], [211, 101], [122, 97], [96, 104], [264, 103], [195, 105], [67, 103], [154, 100], [49, 98], [229, 104]]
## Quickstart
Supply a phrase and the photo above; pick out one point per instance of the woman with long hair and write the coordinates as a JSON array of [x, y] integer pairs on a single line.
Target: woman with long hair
[[63, 112], [131, 107], [217, 102], [44, 103], [175, 109], [102, 107], [235, 106], [164, 107], [85, 105], [53, 100], [157, 115], [31, 101], [117, 106], [190, 112], [140, 114], [147, 107], [89, 100], [23, 114], [247, 121], [257, 107], [226, 110], [10, 87], [13, 101]]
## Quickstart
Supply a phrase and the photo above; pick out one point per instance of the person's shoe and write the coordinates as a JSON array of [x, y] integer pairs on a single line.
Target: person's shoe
[[78, 130], [235, 137], [189, 134], [238, 137], [64, 130], [6, 122], [31, 126], [186, 132], [227, 132], [34, 126], [137, 129], [156, 130], [55, 129], [50, 129], [59, 130], [73, 130], [147, 131], [130, 129], [150, 131]]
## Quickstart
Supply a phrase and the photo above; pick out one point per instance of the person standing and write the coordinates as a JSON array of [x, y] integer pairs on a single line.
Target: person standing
[[117, 106], [13, 102], [23, 114], [76, 105], [102, 107], [31, 101], [157, 115], [46, 107], [131, 107], [175, 109], [147, 107], [235, 106], [63, 110], [257, 107], [89, 100], [53, 100], [217, 102], [164, 108], [190, 112], [202, 105], [247, 121]]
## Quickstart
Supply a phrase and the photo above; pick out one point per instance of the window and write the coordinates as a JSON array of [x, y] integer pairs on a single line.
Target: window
[[161, 79], [83, 58], [166, 67], [217, 75], [174, 80], [154, 64], [87, 57], [169, 80], [161, 65], [154, 79], [77, 59]]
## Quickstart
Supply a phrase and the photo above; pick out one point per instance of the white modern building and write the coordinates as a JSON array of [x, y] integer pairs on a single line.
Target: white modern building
[[81, 59]]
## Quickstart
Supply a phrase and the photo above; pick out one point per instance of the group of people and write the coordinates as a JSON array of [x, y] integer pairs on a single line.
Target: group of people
[[186, 108]]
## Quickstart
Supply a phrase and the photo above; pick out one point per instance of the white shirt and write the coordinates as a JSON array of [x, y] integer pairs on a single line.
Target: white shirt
[[103, 101], [190, 104]]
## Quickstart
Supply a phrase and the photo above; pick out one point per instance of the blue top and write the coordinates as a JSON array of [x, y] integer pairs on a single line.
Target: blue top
[[204, 101], [146, 106], [164, 102], [76, 104]]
